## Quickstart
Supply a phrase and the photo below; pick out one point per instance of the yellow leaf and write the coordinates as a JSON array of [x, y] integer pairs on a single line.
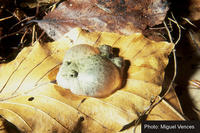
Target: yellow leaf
[[32, 101]]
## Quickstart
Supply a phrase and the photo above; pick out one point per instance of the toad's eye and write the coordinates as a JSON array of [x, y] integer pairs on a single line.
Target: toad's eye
[[67, 63], [106, 51]]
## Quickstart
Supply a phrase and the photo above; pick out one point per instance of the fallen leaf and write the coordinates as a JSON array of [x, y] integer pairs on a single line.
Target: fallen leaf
[[19, 14], [194, 92], [124, 16], [194, 7], [7, 127], [189, 84], [32, 101], [36, 3], [173, 100], [194, 40]]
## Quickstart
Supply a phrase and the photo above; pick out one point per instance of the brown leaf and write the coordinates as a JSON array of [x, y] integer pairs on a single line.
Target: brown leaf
[[194, 39], [120, 16], [36, 3], [190, 86], [173, 100], [32, 101], [7, 127], [194, 10], [190, 96], [187, 81], [194, 92]]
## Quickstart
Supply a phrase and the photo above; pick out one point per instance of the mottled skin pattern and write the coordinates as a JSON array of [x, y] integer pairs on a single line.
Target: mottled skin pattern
[[90, 71]]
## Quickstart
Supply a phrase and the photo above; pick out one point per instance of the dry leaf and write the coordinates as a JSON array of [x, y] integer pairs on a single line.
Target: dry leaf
[[188, 82], [36, 3], [194, 40], [194, 10], [124, 16], [173, 100], [194, 92], [7, 127], [32, 101]]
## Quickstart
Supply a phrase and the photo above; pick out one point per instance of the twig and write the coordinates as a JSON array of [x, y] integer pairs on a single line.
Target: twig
[[53, 7], [151, 106], [2, 19], [176, 21], [189, 22], [22, 39], [175, 62], [41, 35], [153, 102], [195, 83], [179, 30], [157, 28], [11, 34], [28, 18], [33, 35]]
